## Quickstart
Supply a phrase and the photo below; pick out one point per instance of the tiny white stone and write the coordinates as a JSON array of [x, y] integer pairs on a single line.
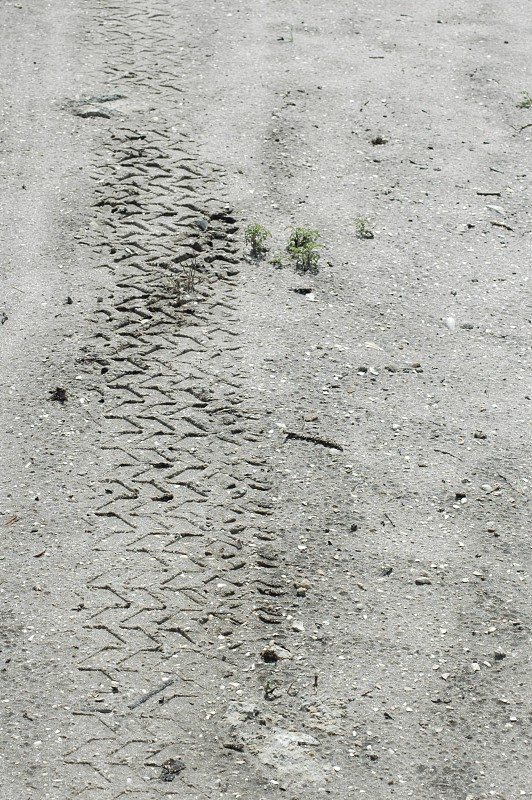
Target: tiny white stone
[[450, 323]]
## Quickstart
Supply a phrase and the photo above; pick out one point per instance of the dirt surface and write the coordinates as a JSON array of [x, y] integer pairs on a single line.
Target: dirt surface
[[264, 532]]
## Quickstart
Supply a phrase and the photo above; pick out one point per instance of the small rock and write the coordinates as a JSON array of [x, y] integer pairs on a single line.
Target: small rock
[[201, 223], [450, 322], [274, 653], [475, 667], [234, 745], [298, 627], [467, 326], [497, 209], [171, 768], [480, 435], [87, 113], [423, 581]]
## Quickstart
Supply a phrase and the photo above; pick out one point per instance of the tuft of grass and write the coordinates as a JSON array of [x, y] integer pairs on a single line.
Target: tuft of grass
[[525, 101], [363, 229], [181, 283], [303, 248], [255, 237]]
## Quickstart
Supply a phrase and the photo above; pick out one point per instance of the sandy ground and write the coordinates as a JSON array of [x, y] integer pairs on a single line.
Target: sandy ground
[[264, 532]]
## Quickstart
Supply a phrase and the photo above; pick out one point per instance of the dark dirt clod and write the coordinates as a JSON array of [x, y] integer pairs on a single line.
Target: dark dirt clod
[[58, 395]]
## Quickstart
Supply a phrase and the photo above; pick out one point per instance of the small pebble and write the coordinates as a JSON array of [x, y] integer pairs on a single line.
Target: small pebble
[[450, 322], [423, 581], [201, 223]]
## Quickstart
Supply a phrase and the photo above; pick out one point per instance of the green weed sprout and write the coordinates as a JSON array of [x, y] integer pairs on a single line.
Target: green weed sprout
[[255, 236], [278, 260], [525, 101], [303, 249], [362, 227]]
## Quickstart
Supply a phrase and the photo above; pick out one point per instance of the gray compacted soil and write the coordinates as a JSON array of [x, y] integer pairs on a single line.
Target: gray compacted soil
[[264, 530]]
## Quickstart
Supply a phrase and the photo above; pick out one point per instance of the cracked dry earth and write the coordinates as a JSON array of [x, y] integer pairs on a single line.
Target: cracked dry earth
[[264, 534]]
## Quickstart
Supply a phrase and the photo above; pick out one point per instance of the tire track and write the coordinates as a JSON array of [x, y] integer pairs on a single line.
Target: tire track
[[184, 504]]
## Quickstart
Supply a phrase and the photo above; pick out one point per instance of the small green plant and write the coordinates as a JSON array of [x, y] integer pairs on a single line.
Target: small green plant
[[278, 260], [362, 227], [306, 258], [302, 237], [303, 248], [525, 101], [255, 236]]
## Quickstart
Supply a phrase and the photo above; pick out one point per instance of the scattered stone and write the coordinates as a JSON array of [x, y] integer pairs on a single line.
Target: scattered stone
[[422, 580], [201, 223], [480, 435], [87, 113], [274, 653], [497, 209], [467, 326], [171, 768], [450, 323], [234, 745], [298, 627], [475, 667], [378, 140]]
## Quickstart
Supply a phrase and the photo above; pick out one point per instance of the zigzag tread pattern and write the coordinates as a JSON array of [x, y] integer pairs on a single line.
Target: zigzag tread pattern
[[184, 565]]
